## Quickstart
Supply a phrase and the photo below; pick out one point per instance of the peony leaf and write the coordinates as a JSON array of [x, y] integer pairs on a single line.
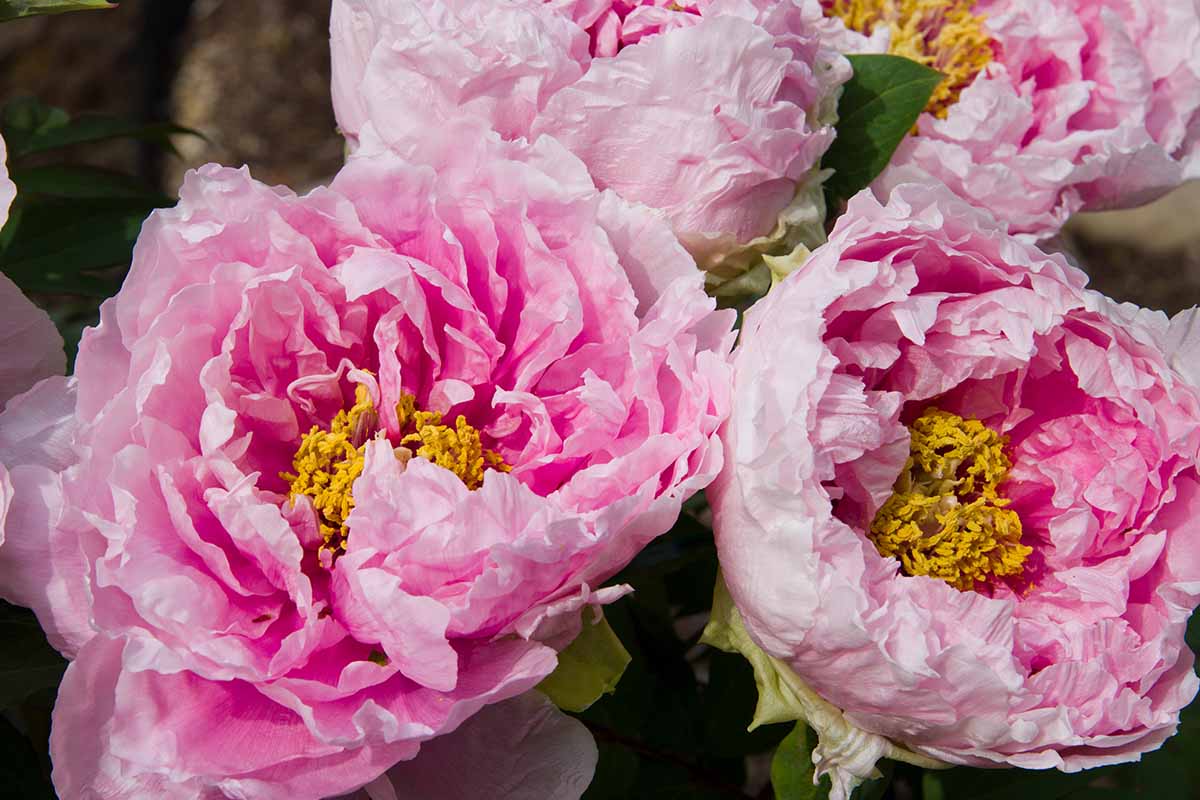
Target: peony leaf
[[879, 105], [32, 127], [55, 245], [589, 668], [13, 9], [84, 182], [792, 767]]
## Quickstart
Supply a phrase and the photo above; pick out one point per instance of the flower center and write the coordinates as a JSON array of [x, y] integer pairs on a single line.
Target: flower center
[[328, 461], [946, 517], [459, 449], [942, 34]]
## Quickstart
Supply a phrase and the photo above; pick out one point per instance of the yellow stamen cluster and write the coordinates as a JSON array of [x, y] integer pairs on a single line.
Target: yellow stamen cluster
[[329, 461], [946, 517], [458, 449], [943, 34]]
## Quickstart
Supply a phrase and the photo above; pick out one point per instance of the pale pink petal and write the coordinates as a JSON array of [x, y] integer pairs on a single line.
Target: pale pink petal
[[29, 341], [923, 301], [545, 755]]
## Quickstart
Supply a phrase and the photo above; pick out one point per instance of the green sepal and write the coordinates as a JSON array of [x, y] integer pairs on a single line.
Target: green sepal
[[589, 668], [792, 767], [847, 753]]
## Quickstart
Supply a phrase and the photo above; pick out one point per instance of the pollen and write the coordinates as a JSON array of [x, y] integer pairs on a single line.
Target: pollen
[[459, 448], [943, 34], [328, 461], [947, 517]]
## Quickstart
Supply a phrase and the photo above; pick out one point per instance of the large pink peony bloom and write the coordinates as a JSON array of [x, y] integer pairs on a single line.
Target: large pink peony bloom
[[716, 115], [931, 388], [1086, 104], [351, 465]]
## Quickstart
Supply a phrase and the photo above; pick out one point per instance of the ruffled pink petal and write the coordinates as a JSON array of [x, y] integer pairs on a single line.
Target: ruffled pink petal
[[920, 302], [498, 61], [546, 756], [32, 348], [40, 568], [489, 280], [1088, 105]]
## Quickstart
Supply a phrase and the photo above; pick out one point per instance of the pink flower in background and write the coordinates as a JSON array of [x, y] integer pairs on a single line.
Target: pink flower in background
[[351, 465], [29, 342], [8, 190], [960, 498], [30, 346], [714, 113], [32, 400], [1052, 107]]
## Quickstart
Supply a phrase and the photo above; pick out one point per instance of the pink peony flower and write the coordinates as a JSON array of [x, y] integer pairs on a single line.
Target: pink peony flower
[[960, 500], [29, 342], [31, 352], [1050, 107], [8, 190], [351, 464], [715, 115]]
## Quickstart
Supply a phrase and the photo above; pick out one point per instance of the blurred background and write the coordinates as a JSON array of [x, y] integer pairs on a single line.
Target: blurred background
[[253, 77]]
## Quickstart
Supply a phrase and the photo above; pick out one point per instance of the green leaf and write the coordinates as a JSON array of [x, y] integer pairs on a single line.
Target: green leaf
[[13, 9], [589, 668], [55, 244], [30, 127], [27, 662], [792, 767], [931, 786], [879, 106], [83, 182]]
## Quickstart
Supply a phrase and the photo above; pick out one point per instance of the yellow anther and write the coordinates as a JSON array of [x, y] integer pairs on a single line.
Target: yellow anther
[[946, 517], [328, 462], [459, 449], [943, 34]]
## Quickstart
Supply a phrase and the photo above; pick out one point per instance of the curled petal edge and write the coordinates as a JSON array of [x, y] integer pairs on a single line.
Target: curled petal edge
[[734, 270], [846, 753]]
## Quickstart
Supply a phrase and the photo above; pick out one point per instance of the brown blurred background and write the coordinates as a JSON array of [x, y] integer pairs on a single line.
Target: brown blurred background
[[253, 76]]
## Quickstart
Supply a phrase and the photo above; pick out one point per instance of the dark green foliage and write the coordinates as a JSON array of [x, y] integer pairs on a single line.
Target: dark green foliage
[[879, 106]]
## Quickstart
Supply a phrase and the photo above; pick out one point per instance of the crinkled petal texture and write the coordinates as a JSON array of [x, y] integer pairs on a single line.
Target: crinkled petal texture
[[545, 755], [239, 656], [924, 303], [745, 89], [1088, 104]]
